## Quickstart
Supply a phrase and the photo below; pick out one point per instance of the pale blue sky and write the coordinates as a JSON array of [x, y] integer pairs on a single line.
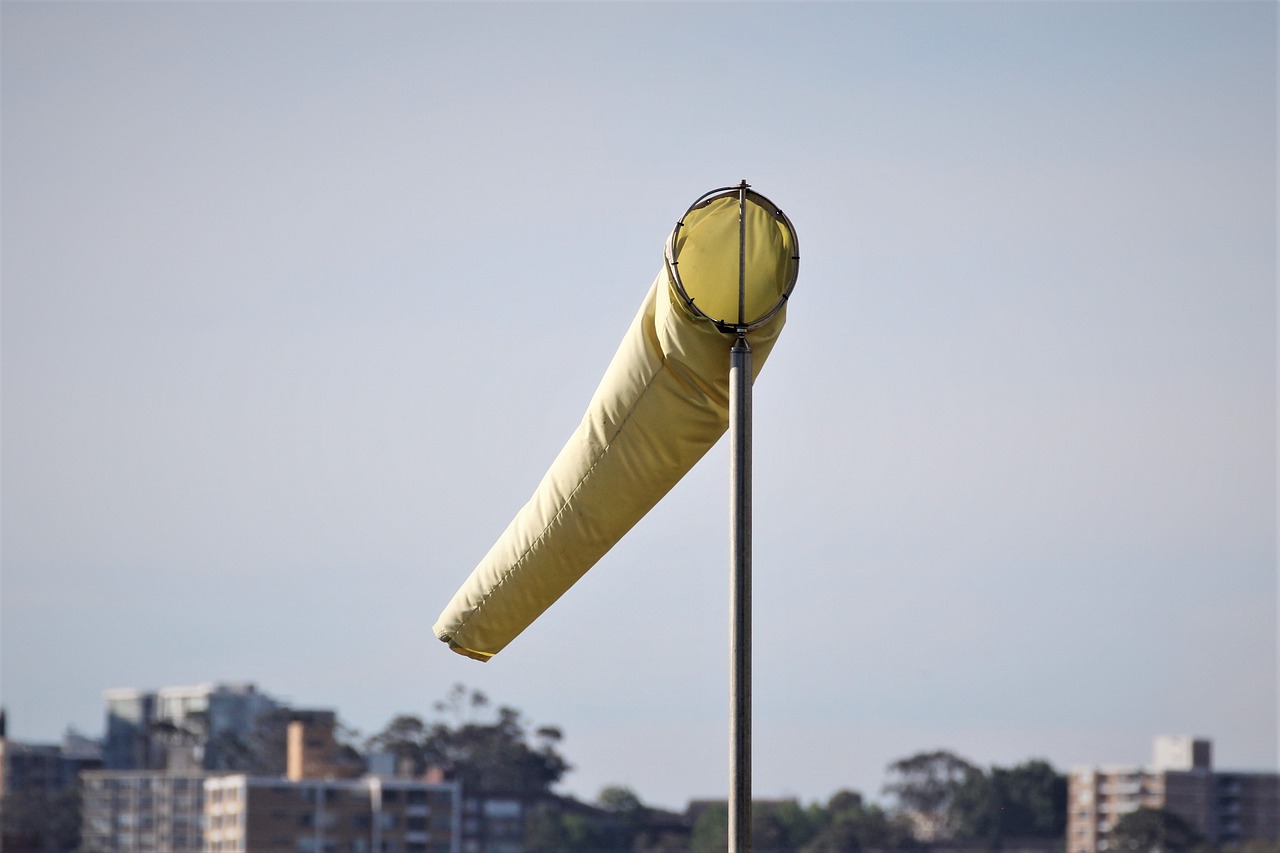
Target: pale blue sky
[[301, 299]]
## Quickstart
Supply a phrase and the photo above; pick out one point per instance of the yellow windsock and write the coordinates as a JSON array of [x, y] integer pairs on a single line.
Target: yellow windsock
[[663, 402]]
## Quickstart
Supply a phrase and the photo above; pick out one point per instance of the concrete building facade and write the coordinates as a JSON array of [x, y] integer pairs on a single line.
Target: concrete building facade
[[37, 790], [246, 814], [1245, 806], [1223, 808], [142, 811], [143, 725]]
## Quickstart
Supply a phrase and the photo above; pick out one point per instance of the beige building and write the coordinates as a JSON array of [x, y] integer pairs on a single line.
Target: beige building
[[319, 808], [247, 814], [142, 811], [1223, 808]]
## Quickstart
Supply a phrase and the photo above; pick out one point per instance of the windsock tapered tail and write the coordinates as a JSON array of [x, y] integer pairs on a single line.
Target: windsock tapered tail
[[731, 263]]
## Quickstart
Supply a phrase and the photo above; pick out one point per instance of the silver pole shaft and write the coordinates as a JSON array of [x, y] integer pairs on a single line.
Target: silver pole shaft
[[740, 597]]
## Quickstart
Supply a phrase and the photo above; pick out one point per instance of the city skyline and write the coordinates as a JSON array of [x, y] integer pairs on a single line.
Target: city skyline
[[230, 708], [300, 301]]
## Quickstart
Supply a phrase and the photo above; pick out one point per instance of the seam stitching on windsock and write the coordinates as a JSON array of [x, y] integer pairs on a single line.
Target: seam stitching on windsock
[[568, 500]]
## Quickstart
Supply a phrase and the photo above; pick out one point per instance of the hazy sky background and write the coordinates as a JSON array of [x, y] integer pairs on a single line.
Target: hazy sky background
[[301, 299]]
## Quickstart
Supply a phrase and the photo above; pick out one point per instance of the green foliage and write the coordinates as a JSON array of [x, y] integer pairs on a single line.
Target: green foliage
[[622, 800], [845, 825], [1153, 831], [551, 830], [852, 827], [1034, 796], [948, 798], [632, 815], [1025, 801], [938, 796], [925, 786], [711, 830], [488, 757], [784, 826]]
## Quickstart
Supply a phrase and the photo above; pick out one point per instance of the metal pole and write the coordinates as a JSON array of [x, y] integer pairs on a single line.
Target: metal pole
[[740, 560], [740, 596]]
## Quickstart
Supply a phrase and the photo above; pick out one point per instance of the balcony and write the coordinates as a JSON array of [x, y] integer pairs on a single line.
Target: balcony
[[1120, 788]]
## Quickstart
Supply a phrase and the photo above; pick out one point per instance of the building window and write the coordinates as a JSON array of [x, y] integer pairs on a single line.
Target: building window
[[502, 808]]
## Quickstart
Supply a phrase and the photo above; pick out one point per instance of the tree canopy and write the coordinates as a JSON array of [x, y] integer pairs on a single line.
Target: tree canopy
[[949, 798], [486, 755], [1025, 801], [1150, 830], [925, 786], [845, 825]]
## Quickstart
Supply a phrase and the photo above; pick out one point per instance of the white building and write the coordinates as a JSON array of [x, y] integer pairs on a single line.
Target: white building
[[211, 713]]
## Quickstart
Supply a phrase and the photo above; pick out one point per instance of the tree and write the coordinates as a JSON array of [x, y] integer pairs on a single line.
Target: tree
[[552, 830], [1026, 801], [264, 751], [462, 704], [711, 830], [1153, 831], [497, 757], [487, 757], [844, 801], [853, 827], [775, 827], [783, 826], [639, 828], [974, 812], [1034, 796], [620, 799], [925, 785], [633, 815], [407, 739]]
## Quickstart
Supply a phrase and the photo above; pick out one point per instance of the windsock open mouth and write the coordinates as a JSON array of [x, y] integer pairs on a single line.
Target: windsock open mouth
[[734, 258], [731, 264]]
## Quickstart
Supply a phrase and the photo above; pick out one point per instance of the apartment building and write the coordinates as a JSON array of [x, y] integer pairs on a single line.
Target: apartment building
[[142, 811], [493, 823], [45, 768], [1222, 808], [1245, 806], [246, 814], [144, 726], [37, 790]]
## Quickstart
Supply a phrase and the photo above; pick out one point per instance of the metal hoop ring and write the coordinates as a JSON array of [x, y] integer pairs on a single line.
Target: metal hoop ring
[[742, 192]]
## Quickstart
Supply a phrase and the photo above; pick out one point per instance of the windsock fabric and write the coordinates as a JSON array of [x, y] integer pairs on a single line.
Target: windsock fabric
[[662, 404]]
